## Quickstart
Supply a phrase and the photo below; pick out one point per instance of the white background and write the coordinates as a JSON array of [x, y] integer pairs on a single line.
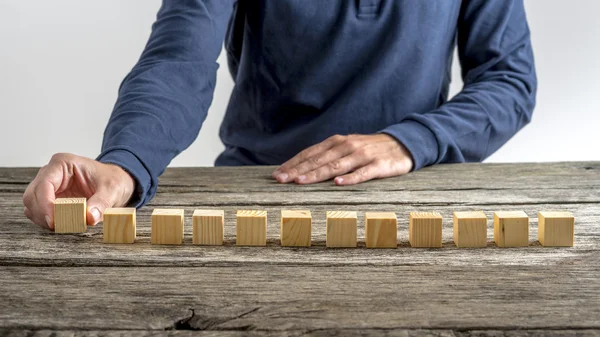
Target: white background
[[62, 61]]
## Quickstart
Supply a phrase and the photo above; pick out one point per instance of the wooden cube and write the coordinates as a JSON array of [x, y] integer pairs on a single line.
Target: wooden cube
[[425, 230], [381, 230], [470, 229], [296, 228], [207, 227], [251, 228], [511, 229], [167, 227], [341, 229], [70, 215], [556, 229], [119, 225]]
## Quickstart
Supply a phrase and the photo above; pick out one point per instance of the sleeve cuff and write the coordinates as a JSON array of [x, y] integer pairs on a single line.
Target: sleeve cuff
[[418, 139], [131, 163]]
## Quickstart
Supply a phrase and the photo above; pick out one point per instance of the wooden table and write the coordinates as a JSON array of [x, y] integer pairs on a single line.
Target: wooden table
[[65, 283]]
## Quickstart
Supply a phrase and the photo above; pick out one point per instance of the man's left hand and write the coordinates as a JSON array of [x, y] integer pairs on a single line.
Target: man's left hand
[[349, 159]]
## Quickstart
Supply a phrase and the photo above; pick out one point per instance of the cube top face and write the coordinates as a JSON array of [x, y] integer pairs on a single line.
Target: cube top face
[[300, 214], [251, 214], [208, 213], [341, 215], [69, 201], [511, 215], [167, 212], [470, 215], [120, 211], [380, 215], [555, 215], [70, 215], [425, 215]]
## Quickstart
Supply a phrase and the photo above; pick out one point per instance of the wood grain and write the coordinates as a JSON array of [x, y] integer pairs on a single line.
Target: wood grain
[[70, 215], [167, 226], [119, 225], [511, 229], [556, 228], [60, 284], [207, 227], [296, 228], [381, 230], [425, 230], [251, 228], [183, 327], [470, 229], [280, 298], [341, 229]]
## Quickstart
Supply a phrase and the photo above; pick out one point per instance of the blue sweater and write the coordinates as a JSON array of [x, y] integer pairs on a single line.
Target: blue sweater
[[308, 69]]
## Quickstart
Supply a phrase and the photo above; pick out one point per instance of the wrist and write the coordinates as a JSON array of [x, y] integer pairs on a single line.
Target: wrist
[[405, 157], [127, 183]]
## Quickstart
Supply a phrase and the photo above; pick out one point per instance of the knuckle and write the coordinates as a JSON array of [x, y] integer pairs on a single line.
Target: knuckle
[[364, 152], [362, 172], [293, 171], [352, 144], [302, 155], [336, 165], [312, 176], [104, 201], [315, 160], [380, 162], [336, 138], [58, 157], [111, 182]]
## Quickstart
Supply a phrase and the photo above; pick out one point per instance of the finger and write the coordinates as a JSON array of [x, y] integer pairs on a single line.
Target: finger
[[98, 203], [43, 208], [41, 193], [364, 173], [29, 195], [36, 219], [324, 160], [333, 169], [307, 153], [27, 213]]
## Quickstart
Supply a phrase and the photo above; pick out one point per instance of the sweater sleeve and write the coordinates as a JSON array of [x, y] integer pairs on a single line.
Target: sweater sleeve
[[499, 90], [164, 100]]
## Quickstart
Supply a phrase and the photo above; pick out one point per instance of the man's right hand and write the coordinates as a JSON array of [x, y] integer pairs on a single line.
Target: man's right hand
[[71, 176]]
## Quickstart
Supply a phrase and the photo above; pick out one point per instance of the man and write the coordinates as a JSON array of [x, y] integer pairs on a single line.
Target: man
[[350, 90]]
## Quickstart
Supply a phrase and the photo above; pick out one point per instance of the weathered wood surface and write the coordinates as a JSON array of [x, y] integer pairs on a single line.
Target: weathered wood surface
[[59, 284], [315, 332]]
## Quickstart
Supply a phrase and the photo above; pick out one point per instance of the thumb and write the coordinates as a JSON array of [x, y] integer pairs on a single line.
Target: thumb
[[97, 204]]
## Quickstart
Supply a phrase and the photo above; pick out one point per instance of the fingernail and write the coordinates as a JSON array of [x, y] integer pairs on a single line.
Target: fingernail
[[301, 178], [48, 221], [339, 180], [95, 214], [282, 177]]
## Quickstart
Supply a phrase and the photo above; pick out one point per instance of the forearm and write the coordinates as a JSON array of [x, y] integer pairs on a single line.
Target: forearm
[[499, 91], [164, 100]]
